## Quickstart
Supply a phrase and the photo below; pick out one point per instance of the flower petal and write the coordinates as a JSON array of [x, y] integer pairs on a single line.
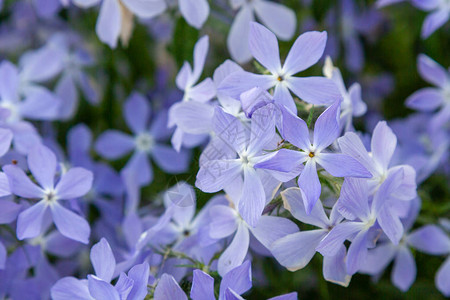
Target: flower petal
[[353, 202], [277, 17], [146, 9], [70, 288], [442, 278], [103, 261], [383, 144], [137, 112], [430, 239], [9, 81], [315, 90], [334, 268], [272, 228], [253, 199], [404, 271], [235, 253], [431, 71], [29, 222], [326, 129], [20, 184], [263, 45], [223, 221], [239, 32], [109, 22], [113, 144], [293, 201], [70, 224], [239, 279], [296, 250], [139, 274], [309, 184], [202, 286], [433, 22], [330, 245], [357, 252], [295, 130], [215, 175], [168, 288], [426, 99], [100, 289], [42, 163], [306, 51], [342, 165], [169, 160], [195, 12], [75, 183]]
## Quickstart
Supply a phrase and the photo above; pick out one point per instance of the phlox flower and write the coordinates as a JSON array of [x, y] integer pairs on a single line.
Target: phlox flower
[[196, 94], [365, 216], [294, 251], [97, 286], [76, 182], [306, 51], [146, 141], [326, 131], [277, 17], [430, 99], [226, 222]]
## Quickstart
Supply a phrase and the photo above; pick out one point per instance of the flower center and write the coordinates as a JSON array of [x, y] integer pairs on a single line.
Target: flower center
[[144, 142], [50, 197], [311, 154]]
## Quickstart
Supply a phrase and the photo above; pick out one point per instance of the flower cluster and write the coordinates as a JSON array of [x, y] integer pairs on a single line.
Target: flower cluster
[[193, 184]]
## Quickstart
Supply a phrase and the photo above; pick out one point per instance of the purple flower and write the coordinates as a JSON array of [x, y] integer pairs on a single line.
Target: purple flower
[[306, 51], [146, 141], [326, 130], [432, 98], [75, 183], [429, 239], [352, 105], [277, 17], [439, 13], [229, 160], [131, 287], [295, 250], [39, 104], [364, 216], [73, 76], [116, 17], [236, 282], [194, 104], [225, 222], [378, 162]]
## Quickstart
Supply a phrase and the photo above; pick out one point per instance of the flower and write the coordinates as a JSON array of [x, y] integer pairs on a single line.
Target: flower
[[76, 182], [131, 287], [229, 161], [195, 100], [364, 216], [294, 251], [432, 98], [277, 17], [146, 141], [306, 51], [326, 130]]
